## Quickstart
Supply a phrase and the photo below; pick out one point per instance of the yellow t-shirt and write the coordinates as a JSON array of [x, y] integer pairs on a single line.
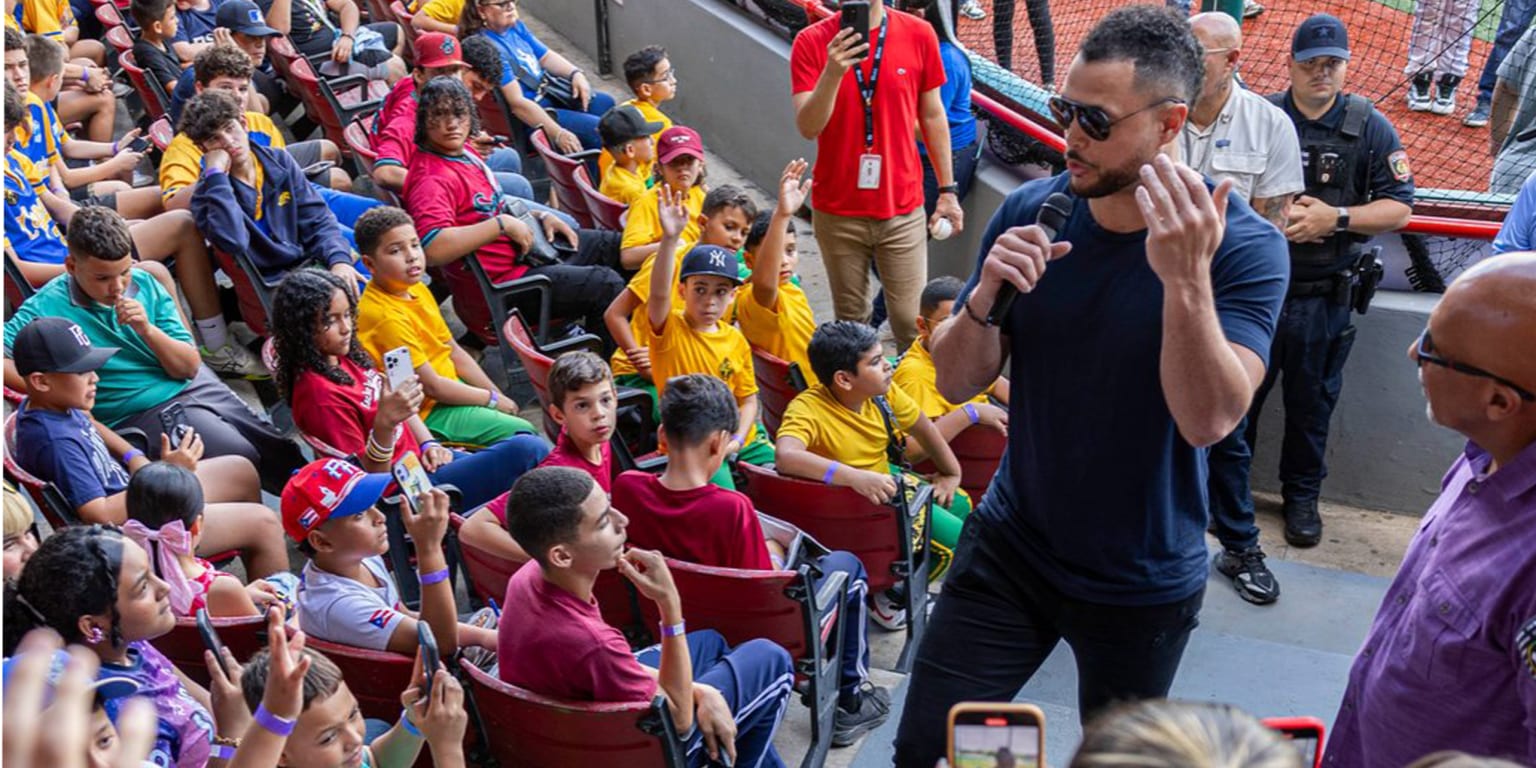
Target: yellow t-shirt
[[639, 322], [446, 11], [855, 438], [652, 115], [644, 224], [623, 185], [783, 331], [386, 322], [918, 377], [723, 353], [48, 18], [182, 161]]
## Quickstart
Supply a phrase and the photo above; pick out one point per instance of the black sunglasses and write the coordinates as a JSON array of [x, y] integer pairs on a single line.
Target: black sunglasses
[[1426, 354], [1094, 120]]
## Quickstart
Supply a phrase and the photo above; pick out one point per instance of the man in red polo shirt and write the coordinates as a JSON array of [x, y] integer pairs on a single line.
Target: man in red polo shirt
[[858, 99]]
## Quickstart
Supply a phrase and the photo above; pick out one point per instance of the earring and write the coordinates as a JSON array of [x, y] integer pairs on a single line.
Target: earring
[[96, 636]]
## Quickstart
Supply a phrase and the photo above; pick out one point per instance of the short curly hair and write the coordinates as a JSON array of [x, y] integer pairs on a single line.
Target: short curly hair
[[98, 232], [374, 223], [222, 61], [483, 57], [208, 113], [1157, 41]]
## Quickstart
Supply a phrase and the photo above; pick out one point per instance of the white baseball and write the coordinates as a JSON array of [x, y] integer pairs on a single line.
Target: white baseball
[[942, 229]]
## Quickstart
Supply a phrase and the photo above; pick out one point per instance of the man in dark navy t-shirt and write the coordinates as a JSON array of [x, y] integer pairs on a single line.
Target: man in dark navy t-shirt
[[1136, 340]]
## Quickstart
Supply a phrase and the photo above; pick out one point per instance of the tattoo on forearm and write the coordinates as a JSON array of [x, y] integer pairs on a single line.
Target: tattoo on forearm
[[1274, 209]]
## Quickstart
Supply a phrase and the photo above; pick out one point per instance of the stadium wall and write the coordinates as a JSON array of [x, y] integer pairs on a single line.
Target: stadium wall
[[1383, 453]]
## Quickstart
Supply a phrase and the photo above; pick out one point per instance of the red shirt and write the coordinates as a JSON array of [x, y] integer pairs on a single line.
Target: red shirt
[[560, 647], [565, 454], [708, 525], [394, 130], [911, 65], [341, 415]]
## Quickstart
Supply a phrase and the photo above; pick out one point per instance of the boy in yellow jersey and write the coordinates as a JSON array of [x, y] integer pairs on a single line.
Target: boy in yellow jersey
[[680, 158], [698, 338], [772, 310], [653, 80], [724, 220], [627, 138], [844, 431], [915, 373]]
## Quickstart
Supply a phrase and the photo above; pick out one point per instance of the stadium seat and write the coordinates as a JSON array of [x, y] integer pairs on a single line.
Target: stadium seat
[[562, 173], [117, 37], [979, 449], [17, 288], [496, 118], [376, 678], [330, 102], [778, 382], [533, 730], [253, 290], [880, 535], [111, 18], [242, 635], [607, 213], [49, 499], [488, 574], [161, 133], [468, 281], [782, 606], [357, 134], [403, 18], [154, 97]]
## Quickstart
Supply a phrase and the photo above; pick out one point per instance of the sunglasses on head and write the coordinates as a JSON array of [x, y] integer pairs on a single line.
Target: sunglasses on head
[[1425, 353], [1094, 120]]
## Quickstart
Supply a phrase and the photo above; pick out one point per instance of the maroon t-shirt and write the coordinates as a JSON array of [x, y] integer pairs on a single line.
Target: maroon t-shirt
[[341, 415], [565, 454], [708, 525]]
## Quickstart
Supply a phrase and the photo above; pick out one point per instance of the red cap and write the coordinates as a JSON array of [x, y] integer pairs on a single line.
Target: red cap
[[679, 140], [435, 50], [326, 489]]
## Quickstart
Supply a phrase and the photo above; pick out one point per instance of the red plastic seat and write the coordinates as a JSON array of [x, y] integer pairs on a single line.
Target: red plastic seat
[[253, 290], [111, 18], [357, 135], [607, 212], [376, 678], [154, 97], [161, 133], [496, 118], [778, 382], [979, 450], [533, 730], [243, 635], [562, 173], [49, 499], [117, 36], [488, 574], [880, 535], [332, 102]]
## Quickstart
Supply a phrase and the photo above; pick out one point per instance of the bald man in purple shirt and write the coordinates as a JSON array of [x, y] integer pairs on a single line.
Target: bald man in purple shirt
[[1450, 661]]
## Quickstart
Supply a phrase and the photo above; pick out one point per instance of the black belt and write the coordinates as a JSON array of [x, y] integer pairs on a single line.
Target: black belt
[[1306, 289]]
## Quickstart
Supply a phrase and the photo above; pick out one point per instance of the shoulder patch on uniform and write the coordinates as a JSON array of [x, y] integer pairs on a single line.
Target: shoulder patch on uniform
[[1399, 162], [1525, 645]]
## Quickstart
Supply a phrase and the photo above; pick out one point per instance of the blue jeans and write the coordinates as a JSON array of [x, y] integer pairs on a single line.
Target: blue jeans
[[484, 475], [755, 678], [1517, 16], [855, 649], [997, 622], [508, 167], [1312, 343]]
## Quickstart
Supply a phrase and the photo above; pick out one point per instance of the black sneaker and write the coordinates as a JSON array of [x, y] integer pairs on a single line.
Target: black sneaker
[[1420, 97], [1250, 576], [874, 708], [1303, 525]]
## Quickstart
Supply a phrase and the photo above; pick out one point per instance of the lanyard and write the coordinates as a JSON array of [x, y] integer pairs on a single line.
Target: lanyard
[[867, 93]]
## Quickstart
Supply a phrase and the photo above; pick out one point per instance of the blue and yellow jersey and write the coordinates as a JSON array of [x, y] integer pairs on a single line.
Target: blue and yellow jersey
[[30, 229], [43, 137]]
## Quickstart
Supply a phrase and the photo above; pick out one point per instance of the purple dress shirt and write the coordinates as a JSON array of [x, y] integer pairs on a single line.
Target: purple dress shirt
[[1450, 661]]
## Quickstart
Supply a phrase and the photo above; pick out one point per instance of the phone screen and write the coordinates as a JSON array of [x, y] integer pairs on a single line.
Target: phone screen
[[996, 740], [412, 477]]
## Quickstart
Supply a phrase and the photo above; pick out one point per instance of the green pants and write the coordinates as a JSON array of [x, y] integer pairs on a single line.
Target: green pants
[[758, 453], [474, 426], [947, 522]]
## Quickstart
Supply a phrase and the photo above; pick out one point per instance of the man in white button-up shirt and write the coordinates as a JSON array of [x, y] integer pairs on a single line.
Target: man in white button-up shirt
[[1234, 133]]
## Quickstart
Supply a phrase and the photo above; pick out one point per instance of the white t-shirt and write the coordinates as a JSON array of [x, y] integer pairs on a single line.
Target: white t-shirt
[[1251, 142], [346, 611]]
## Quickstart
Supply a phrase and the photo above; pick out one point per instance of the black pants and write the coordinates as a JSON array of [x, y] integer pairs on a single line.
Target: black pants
[[229, 428], [1039, 12], [998, 620], [587, 282]]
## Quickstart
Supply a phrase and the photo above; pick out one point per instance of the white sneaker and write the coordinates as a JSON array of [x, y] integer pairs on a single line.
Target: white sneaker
[[971, 9], [1445, 95], [888, 613], [1420, 97], [233, 361]]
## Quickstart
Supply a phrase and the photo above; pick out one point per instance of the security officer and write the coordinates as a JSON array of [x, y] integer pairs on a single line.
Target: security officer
[[1358, 185]]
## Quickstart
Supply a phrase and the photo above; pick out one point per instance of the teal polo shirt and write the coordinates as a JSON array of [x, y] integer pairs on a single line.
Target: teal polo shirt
[[133, 381]]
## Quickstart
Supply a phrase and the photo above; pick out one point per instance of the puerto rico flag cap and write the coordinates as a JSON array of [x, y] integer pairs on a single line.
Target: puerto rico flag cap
[[326, 489]]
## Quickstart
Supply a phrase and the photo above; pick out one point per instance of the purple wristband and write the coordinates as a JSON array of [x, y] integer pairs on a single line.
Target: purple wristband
[[434, 577], [133, 453], [222, 752], [271, 722], [831, 470], [970, 410]]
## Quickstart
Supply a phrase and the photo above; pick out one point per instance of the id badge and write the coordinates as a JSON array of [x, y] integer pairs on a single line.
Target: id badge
[[869, 171]]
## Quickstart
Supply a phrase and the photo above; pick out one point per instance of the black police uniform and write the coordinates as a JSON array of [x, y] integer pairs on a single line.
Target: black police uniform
[[1351, 155]]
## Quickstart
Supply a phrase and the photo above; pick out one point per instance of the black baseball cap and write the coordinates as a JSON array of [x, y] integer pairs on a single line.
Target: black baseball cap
[[1320, 35], [244, 17], [624, 123], [56, 345], [710, 260]]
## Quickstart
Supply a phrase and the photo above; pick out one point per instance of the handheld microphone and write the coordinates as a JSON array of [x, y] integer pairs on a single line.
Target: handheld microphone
[[1051, 218]]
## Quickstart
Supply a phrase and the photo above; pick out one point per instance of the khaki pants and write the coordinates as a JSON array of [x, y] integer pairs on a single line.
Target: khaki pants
[[899, 248]]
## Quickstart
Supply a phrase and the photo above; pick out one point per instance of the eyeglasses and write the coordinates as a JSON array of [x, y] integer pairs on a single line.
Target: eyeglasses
[[1426, 354], [1094, 120], [1212, 51], [670, 76]]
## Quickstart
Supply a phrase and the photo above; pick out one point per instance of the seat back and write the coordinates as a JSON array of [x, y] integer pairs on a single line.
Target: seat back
[[161, 133], [183, 645], [17, 288], [519, 337], [488, 574], [47, 496], [154, 97], [607, 212], [775, 388], [252, 290], [403, 17], [979, 450], [535, 730], [497, 119], [111, 18], [562, 173], [741, 605], [377, 678], [320, 97], [118, 37]]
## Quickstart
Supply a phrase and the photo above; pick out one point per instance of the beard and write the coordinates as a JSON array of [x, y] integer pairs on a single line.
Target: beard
[[1109, 181]]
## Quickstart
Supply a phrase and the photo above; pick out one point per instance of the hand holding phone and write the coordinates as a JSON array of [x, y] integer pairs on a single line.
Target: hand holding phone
[[412, 478], [211, 639], [855, 16], [397, 366], [429, 656], [173, 422], [990, 733]]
